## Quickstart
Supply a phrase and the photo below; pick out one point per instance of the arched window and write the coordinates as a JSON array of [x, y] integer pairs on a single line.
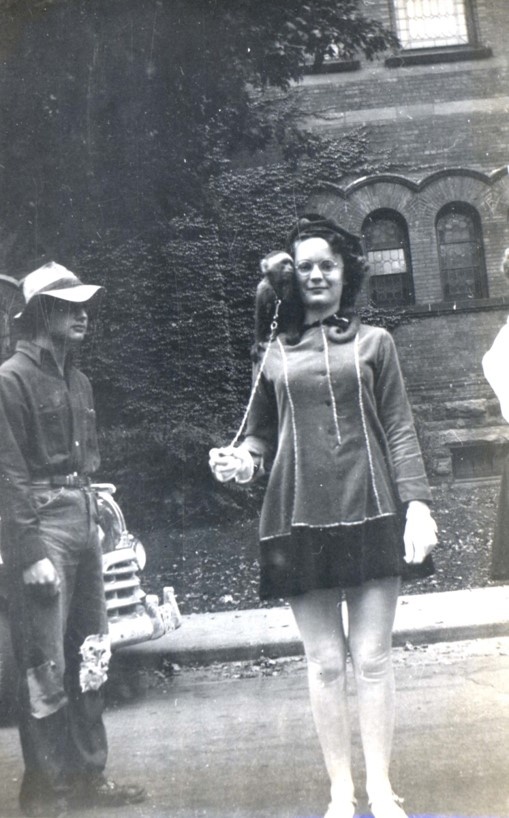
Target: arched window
[[385, 237], [461, 253]]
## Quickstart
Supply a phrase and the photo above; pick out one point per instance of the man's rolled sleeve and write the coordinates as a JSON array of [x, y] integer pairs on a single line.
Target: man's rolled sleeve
[[21, 542]]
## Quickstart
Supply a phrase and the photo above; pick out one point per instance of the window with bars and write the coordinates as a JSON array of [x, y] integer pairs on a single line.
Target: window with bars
[[387, 248], [432, 23], [461, 253]]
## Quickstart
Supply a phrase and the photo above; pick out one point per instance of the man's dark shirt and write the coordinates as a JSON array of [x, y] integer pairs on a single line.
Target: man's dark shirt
[[47, 427]]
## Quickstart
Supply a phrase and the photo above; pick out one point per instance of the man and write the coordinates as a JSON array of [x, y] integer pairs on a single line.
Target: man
[[50, 545]]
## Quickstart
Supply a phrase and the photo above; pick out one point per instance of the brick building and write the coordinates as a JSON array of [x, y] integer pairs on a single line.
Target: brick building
[[83, 172], [435, 227]]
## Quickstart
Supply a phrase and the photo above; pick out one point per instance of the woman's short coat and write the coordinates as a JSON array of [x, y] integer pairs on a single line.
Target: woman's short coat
[[333, 425]]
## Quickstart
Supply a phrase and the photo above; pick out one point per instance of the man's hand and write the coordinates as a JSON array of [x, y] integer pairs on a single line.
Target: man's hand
[[420, 532], [42, 575]]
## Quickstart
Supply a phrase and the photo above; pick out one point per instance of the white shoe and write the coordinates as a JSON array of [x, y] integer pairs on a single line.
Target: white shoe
[[341, 809], [387, 805]]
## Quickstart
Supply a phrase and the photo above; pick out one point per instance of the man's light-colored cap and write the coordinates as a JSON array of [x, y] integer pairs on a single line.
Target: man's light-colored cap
[[55, 280]]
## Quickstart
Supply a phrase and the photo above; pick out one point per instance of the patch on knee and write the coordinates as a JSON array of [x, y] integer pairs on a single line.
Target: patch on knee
[[45, 690], [95, 657]]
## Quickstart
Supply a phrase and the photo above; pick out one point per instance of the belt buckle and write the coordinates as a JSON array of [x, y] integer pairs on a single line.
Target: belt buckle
[[72, 480]]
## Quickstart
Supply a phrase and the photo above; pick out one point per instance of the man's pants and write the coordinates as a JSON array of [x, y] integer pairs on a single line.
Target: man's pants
[[61, 728]]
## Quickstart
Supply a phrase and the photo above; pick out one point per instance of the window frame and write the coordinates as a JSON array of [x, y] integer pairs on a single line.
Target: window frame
[[389, 214], [473, 50], [471, 31], [481, 280]]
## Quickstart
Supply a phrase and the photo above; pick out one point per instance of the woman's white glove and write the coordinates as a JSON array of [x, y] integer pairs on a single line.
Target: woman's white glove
[[232, 463], [420, 535]]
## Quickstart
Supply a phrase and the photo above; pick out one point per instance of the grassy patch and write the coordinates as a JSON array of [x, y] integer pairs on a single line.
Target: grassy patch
[[215, 568]]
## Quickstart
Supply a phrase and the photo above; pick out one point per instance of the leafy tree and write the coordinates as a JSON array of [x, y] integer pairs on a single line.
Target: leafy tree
[[226, 58], [161, 92], [120, 120]]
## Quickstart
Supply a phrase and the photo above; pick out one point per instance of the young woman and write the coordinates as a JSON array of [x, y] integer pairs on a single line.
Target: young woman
[[331, 424]]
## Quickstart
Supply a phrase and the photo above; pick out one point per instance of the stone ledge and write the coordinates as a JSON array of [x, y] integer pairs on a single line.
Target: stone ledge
[[333, 67], [473, 408], [460, 437], [437, 55]]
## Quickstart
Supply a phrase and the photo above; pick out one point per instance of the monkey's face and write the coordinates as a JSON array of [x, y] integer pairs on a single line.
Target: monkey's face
[[280, 272], [287, 279], [287, 269]]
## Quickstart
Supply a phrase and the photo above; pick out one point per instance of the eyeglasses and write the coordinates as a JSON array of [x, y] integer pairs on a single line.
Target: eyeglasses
[[326, 266]]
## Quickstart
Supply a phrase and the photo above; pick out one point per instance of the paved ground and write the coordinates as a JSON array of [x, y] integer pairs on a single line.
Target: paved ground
[[236, 740]]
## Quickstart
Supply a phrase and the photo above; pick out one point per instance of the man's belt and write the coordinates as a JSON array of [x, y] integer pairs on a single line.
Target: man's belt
[[70, 481]]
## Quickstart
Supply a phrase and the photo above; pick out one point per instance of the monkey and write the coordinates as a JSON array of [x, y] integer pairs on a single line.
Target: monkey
[[278, 282]]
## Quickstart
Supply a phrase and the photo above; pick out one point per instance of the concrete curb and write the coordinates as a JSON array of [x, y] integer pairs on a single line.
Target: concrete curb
[[271, 632]]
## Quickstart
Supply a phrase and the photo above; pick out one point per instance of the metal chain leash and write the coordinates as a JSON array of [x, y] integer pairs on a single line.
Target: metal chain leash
[[273, 329]]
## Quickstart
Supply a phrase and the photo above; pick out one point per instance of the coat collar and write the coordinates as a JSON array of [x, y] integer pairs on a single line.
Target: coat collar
[[341, 328], [40, 355]]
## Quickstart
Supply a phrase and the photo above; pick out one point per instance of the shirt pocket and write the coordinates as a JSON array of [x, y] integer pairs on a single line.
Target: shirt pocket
[[54, 426]]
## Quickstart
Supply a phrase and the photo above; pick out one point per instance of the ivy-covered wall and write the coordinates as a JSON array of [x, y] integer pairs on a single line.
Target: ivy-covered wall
[[169, 352], [85, 108]]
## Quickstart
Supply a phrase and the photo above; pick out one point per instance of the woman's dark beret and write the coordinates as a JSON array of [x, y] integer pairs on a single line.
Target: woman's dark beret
[[313, 225]]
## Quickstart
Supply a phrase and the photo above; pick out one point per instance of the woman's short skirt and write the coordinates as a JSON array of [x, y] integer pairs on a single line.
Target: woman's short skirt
[[338, 557]]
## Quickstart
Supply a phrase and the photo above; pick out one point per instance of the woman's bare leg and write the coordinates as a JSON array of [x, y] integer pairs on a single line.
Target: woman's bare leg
[[318, 617], [371, 611]]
